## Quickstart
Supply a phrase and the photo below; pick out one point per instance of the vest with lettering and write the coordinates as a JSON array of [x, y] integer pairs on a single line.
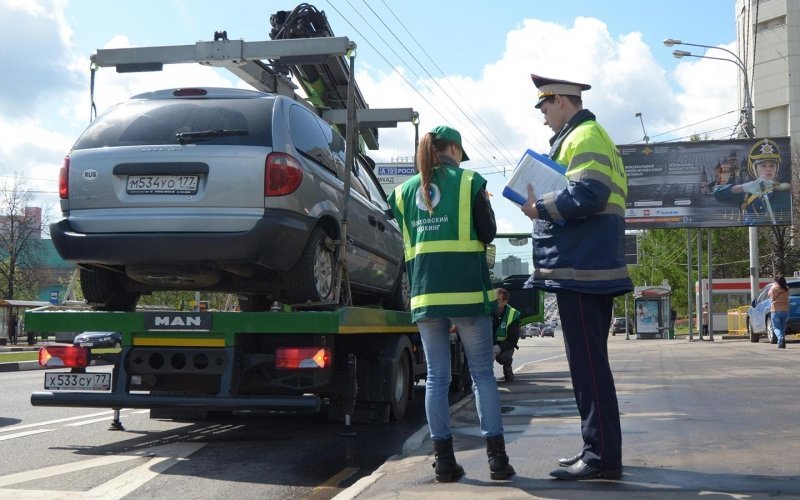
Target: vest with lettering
[[445, 261], [510, 315]]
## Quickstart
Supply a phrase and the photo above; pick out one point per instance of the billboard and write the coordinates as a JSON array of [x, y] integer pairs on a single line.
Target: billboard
[[708, 183]]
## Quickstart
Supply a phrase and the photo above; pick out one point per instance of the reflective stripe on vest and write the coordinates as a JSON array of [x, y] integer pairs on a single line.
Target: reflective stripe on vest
[[452, 299]]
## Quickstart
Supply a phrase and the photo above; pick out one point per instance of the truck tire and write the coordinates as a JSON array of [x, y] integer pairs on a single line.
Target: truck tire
[[104, 290], [402, 384], [753, 336], [312, 278]]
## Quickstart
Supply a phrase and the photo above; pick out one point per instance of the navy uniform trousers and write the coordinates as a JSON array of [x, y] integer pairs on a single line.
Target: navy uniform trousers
[[585, 320]]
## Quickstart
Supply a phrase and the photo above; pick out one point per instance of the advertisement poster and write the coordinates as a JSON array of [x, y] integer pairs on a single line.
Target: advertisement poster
[[708, 183], [646, 316]]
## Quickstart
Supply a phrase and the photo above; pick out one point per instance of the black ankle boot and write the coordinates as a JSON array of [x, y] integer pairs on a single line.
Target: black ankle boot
[[498, 460], [445, 467], [508, 373]]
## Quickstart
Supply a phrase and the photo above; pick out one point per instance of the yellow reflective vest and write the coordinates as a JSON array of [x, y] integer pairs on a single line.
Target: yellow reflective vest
[[579, 243]]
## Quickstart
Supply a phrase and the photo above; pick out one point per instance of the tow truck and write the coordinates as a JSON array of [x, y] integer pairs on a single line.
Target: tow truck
[[350, 362]]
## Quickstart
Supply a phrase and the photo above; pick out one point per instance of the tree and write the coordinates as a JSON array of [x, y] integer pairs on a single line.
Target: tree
[[21, 246]]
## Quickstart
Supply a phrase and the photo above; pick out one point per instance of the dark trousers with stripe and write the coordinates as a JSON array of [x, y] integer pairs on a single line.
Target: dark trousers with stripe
[[585, 320]]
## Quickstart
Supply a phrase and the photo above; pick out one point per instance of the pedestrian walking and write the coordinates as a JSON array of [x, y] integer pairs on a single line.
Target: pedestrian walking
[[446, 220], [578, 242], [779, 309]]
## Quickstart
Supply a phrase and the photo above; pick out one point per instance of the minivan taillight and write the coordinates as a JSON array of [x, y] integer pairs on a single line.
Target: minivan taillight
[[63, 179], [283, 174]]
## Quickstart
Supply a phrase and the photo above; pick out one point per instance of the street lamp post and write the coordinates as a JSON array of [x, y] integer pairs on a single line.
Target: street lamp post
[[747, 132], [645, 138]]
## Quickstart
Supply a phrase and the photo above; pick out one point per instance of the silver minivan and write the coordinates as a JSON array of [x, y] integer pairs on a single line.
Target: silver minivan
[[224, 190]]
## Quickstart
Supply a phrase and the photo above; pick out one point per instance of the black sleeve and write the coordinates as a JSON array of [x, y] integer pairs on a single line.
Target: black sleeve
[[483, 217]]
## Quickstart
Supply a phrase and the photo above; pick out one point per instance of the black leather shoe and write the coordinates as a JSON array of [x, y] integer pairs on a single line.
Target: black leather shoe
[[566, 462], [581, 470]]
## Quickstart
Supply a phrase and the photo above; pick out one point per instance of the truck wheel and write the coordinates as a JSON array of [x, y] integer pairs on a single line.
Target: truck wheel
[[312, 278], [400, 299], [753, 336], [773, 339], [103, 289], [402, 377]]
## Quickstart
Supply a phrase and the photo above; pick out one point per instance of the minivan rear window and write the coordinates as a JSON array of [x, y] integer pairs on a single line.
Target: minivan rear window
[[157, 122]]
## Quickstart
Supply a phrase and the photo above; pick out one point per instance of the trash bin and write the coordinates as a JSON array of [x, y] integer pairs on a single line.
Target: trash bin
[[31, 338]]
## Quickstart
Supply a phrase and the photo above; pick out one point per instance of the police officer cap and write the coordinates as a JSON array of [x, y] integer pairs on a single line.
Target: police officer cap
[[550, 87]]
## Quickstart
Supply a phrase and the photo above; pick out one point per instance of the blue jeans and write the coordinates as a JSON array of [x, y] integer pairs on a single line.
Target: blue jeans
[[476, 335], [779, 319]]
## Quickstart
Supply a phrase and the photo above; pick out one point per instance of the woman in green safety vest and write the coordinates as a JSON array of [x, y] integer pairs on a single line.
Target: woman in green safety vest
[[446, 220], [505, 324]]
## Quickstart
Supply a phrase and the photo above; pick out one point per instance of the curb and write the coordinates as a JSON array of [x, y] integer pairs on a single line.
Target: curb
[[20, 366]]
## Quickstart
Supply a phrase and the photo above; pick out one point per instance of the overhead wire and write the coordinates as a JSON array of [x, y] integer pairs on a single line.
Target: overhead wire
[[408, 66], [465, 101], [400, 74]]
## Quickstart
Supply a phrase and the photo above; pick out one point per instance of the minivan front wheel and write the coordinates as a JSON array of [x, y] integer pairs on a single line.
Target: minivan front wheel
[[312, 278]]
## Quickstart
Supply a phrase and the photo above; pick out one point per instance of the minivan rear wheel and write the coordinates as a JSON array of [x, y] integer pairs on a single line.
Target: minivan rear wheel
[[312, 278], [105, 290]]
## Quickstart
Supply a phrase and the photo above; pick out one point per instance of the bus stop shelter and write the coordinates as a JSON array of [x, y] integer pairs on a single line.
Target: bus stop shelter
[[10, 310]]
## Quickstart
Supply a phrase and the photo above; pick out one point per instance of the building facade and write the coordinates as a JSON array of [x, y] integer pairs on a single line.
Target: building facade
[[768, 36]]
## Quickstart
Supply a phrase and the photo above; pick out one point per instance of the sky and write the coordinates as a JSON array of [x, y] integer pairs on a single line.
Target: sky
[[464, 63]]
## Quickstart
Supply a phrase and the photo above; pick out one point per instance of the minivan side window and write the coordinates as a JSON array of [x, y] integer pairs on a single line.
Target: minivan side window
[[377, 195], [309, 138]]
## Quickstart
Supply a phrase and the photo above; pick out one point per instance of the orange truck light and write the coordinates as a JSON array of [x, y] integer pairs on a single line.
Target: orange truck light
[[302, 357], [64, 357]]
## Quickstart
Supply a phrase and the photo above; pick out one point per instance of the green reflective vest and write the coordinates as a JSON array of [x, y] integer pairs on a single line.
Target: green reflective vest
[[445, 261], [510, 315]]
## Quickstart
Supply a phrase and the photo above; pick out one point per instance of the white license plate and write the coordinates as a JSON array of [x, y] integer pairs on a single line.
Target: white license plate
[[162, 184], [57, 381]]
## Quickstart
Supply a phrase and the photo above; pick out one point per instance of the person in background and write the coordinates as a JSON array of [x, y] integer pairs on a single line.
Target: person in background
[[12, 333], [578, 253], [446, 220], [779, 309], [505, 324], [705, 320]]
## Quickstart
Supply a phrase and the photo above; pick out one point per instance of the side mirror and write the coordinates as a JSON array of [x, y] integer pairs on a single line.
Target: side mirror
[[753, 303], [491, 252], [389, 214]]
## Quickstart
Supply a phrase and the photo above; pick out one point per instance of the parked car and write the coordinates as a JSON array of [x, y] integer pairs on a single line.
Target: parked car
[[618, 325], [547, 331], [98, 339], [758, 315], [222, 190]]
